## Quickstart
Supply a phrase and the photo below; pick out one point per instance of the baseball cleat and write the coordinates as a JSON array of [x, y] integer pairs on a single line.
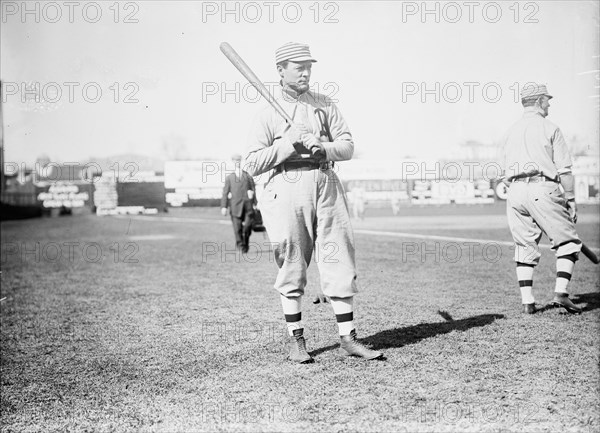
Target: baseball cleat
[[351, 347], [298, 351], [562, 300], [530, 309]]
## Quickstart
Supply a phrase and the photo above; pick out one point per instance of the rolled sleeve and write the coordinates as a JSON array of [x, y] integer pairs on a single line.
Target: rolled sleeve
[[342, 146], [265, 150], [561, 154]]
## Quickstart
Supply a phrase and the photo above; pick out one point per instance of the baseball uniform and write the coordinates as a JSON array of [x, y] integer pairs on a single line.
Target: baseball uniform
[[536, 162], [305, 208], [303, 204], [535, 152]]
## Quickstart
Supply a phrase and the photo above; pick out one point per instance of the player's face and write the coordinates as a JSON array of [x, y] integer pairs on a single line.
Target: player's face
[[296, 75], [544, 102]]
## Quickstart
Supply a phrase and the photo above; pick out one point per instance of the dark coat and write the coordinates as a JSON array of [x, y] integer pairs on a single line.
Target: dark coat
[[239, 193]]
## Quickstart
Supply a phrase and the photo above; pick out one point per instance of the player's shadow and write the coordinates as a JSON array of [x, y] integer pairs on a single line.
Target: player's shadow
[[592, 300], [399, 337]]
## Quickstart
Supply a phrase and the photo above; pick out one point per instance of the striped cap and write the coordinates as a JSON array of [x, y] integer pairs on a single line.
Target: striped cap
[[530, 90], [293, 52]]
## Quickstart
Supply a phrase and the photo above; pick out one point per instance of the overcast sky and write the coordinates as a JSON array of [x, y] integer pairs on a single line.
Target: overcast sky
[[374, 58]]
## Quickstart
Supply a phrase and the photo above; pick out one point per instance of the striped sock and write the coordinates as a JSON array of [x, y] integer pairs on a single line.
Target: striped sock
[[292, 312], [344, 316], [525, 277], [345, 323], [564, 270]]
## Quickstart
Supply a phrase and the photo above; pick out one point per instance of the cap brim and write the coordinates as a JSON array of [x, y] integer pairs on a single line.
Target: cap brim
[[537, 96], [301, 59]]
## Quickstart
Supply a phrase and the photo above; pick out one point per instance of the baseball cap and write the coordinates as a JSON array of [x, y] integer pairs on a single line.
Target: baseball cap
[[530, 90], [293, 52]]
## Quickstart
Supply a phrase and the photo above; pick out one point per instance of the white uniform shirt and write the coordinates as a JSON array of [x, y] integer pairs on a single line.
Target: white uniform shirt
[[534, 145], [268, 145]]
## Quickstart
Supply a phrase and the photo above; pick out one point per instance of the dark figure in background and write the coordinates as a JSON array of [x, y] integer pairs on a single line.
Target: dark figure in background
[[240, 192]]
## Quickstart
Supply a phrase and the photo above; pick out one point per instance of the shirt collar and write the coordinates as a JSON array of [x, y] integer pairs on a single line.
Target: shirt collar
[[289, 94], [532, 111]]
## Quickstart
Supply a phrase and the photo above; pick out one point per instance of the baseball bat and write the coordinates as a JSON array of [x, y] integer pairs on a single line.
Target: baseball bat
[[589, 254], [249, 74]]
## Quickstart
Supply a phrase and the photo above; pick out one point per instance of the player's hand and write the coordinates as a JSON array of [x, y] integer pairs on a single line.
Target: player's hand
[[312, 143], [320, 298], [572, 208], [295, 132], [250, 194], [224, 211]]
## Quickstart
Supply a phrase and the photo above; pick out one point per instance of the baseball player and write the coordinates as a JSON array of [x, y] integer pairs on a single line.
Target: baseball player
[[303, 205], [541, 198], [358, 202], [239, 193]]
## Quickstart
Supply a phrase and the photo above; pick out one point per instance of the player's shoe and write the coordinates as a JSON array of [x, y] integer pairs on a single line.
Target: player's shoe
[[351, 347], [298, 351], [530, 308], [562, 300]]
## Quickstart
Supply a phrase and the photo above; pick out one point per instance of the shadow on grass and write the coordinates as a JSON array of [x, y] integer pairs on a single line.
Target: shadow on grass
[[592, 300], [399, 337]]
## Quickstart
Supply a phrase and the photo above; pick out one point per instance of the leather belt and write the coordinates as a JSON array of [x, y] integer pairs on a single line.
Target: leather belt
[[303, 165], [534, 178]]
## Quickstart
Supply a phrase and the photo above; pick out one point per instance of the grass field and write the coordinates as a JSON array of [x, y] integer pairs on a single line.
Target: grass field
[[156, 324]]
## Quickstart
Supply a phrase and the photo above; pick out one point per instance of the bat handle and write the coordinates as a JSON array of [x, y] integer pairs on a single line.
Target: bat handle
[[314, 151]]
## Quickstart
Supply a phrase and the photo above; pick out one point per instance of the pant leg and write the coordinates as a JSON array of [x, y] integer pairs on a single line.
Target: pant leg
[[288, 210], [549, 209], [523, 227], [237, 230], [334, 246], [248, 220]]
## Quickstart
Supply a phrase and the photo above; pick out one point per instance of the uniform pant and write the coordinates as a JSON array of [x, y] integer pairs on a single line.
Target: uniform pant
[[539, 207], [304, 210]]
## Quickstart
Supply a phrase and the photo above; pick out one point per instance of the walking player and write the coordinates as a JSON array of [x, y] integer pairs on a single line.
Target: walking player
[[536, 163], [304, 206]]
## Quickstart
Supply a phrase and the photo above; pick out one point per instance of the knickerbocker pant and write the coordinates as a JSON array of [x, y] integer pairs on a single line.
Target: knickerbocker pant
[[305, 210], [536, 207]]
